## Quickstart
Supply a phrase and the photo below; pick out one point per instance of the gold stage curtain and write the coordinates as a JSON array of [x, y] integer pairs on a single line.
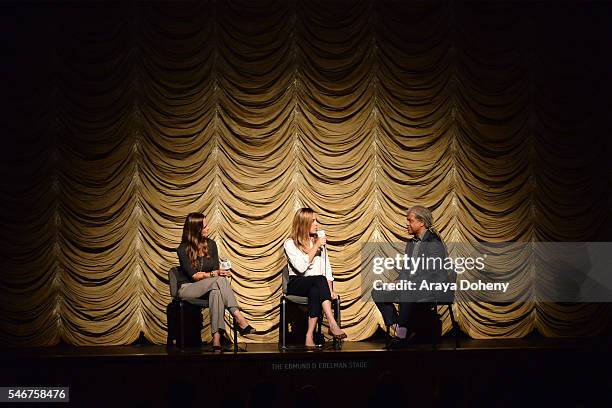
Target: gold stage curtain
[[131, 116]]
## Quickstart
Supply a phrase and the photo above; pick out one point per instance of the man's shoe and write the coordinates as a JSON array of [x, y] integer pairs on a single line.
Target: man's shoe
[[399, 344], [389, 340]]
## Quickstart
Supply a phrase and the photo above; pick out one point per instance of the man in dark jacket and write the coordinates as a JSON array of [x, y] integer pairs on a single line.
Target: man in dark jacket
[[426, 254]]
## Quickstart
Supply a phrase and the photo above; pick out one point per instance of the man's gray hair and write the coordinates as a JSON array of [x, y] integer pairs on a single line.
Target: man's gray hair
[[424, 215]]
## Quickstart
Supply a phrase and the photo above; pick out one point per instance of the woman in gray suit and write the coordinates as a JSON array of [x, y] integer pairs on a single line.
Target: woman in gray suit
[[201, 275]]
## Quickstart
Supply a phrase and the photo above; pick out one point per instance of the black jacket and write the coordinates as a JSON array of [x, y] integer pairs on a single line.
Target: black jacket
[[203, 265], [430, 258]]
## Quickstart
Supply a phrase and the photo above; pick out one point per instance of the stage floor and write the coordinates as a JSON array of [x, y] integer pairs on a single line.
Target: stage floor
[[370, 346], [524, 372]]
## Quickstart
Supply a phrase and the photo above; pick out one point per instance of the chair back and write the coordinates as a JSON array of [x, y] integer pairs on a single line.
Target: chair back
[[285, 274], [173, 275]]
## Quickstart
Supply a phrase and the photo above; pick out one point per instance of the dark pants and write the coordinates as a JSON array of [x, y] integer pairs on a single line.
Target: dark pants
[[406, 311], [315, 287]]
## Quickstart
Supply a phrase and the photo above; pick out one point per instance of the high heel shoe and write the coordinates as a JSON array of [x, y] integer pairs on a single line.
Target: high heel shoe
[[337, 336], [247, 330]]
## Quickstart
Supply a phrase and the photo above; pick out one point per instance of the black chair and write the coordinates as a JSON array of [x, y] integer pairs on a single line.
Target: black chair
[[173, 275], [455, 325], [301, 301], [447, 299]]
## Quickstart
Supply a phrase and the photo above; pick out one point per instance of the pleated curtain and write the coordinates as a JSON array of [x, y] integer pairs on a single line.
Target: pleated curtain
[[128, 116]]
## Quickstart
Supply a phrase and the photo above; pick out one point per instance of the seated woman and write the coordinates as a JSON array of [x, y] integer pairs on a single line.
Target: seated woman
[[201, 275], [309, 274]]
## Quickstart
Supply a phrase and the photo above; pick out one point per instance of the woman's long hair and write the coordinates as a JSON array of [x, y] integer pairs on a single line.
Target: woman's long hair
[[300, 230], [192, 237]]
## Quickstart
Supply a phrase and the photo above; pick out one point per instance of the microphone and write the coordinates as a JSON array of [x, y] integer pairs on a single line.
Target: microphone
[[225, 264], [321, 234]]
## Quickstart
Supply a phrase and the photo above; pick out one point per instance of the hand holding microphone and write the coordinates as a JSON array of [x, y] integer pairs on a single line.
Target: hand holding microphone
[[321, 238], [224, 267]]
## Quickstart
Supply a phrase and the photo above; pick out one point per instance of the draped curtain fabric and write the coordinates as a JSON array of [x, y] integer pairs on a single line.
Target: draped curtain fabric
[[126, 117]]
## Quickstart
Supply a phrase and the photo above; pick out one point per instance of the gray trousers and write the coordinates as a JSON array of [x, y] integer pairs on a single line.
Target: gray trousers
[[220, 297]]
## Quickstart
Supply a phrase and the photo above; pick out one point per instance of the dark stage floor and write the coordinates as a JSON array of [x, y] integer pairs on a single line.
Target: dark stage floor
[[517, 372]]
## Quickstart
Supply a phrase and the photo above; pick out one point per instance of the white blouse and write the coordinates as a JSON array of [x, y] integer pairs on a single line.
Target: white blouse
[[299, 265]]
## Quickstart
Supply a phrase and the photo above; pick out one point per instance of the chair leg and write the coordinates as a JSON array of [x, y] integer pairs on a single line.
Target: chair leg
[[181, 326], [283, 324], [169, 339], [171, 328], [338, 317], [318, 330], [235, 330], [455, 325], [435, 338], [337, 312]]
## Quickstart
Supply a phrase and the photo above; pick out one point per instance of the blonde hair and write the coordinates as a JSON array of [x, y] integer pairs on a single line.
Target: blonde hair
[[300, 230]]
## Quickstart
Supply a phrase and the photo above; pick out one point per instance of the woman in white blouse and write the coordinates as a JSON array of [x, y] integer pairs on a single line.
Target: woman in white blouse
[[310, 273]]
